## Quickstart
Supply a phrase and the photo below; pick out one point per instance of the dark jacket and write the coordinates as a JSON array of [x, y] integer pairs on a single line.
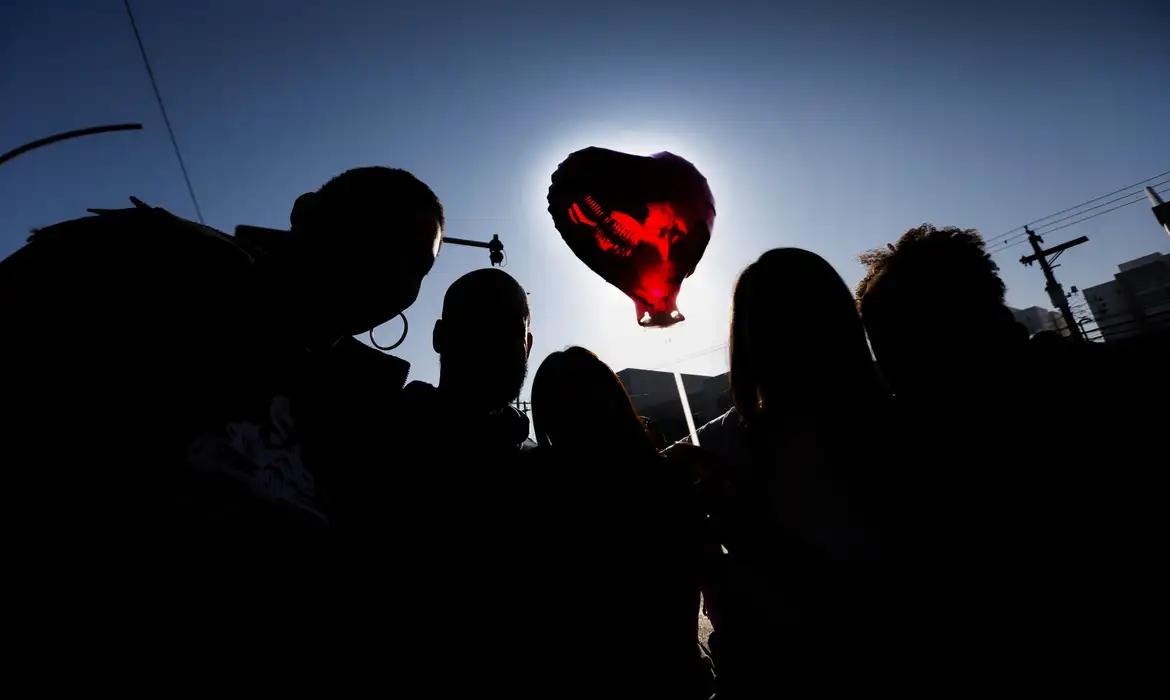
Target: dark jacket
[[437, 546], [620, 549], [426, 410], [351, 402], [159, 389]]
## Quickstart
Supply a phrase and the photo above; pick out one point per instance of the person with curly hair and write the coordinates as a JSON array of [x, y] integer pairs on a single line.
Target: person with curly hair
[[933, 306]]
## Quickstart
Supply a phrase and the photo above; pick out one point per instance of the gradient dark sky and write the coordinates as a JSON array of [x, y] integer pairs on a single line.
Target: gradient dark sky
[[832, 126]]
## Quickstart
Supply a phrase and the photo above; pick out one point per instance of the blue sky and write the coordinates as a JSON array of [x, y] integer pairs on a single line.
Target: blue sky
[[831, 128]]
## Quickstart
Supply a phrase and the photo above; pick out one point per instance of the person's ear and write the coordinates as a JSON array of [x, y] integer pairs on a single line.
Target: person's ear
[[439, 338], [306, 212], [528, 349]]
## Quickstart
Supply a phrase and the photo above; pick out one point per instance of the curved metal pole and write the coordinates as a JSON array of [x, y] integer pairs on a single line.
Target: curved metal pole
[[66, 136]]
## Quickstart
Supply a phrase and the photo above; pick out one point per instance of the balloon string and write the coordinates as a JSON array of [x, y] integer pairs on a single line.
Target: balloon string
[[684, 401], [686, 406]]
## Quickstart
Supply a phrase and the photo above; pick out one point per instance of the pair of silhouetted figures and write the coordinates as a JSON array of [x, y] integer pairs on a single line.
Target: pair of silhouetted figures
[[205, 471]]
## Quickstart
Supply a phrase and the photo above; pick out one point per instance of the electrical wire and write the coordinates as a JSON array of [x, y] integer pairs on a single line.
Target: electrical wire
[[162, 107], [1064, 211], [1044, 228], [1011, 243], [1102, 204], [691, 356]]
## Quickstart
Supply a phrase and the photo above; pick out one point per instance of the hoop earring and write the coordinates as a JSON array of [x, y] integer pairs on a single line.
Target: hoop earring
[[387, 348]]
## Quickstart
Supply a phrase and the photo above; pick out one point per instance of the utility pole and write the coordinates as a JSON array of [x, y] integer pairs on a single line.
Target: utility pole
[[1055, 291], [1161, 209]]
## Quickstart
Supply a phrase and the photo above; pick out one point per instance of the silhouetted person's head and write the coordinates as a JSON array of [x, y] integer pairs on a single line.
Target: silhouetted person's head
[[579, 404], [483, 339], [933, 305], [797, 342], [371, 235]]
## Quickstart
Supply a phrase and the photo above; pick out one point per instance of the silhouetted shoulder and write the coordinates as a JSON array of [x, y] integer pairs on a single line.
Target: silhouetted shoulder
[[130, 234], [142, 263]]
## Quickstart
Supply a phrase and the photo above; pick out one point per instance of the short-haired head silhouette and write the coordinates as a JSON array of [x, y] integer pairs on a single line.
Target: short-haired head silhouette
[[372, 235], [933, 303], [796, 338], [483, 339]]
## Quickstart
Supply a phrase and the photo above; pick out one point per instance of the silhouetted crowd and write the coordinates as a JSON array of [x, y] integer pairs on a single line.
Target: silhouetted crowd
[[206, 471]]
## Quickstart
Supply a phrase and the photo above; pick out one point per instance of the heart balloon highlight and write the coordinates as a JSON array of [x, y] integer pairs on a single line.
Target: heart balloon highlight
[[641, 223]]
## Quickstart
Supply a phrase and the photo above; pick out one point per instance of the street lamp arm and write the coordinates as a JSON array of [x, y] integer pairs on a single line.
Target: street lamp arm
[[495, 246], [466, 242]]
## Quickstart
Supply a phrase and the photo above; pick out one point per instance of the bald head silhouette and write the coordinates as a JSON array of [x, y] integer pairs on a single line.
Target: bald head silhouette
[[483, 339]]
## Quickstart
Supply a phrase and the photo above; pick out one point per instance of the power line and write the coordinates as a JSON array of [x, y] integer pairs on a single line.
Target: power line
[[1100, 213], [1063, 211], [1015, 241], [1011, 243], [1044, 228], [1102, 204], [691, 356], [162, 107]]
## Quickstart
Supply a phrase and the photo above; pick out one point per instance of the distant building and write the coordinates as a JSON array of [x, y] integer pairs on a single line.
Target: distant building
[[1037, 318], [1136, 301], [655, 395]]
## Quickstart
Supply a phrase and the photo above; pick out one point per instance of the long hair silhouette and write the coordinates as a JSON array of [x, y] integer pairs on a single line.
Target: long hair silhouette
[[578, 403], [796, 338]]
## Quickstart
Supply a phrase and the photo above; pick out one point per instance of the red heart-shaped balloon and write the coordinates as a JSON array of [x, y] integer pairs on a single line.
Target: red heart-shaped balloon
[[640, 222]]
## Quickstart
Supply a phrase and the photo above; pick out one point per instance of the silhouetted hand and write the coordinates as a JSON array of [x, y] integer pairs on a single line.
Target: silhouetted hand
[[138, 204], [712, 482], [700, 464]]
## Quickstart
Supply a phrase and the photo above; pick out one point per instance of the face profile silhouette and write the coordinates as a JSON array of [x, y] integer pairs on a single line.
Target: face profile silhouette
[[372, 236]]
